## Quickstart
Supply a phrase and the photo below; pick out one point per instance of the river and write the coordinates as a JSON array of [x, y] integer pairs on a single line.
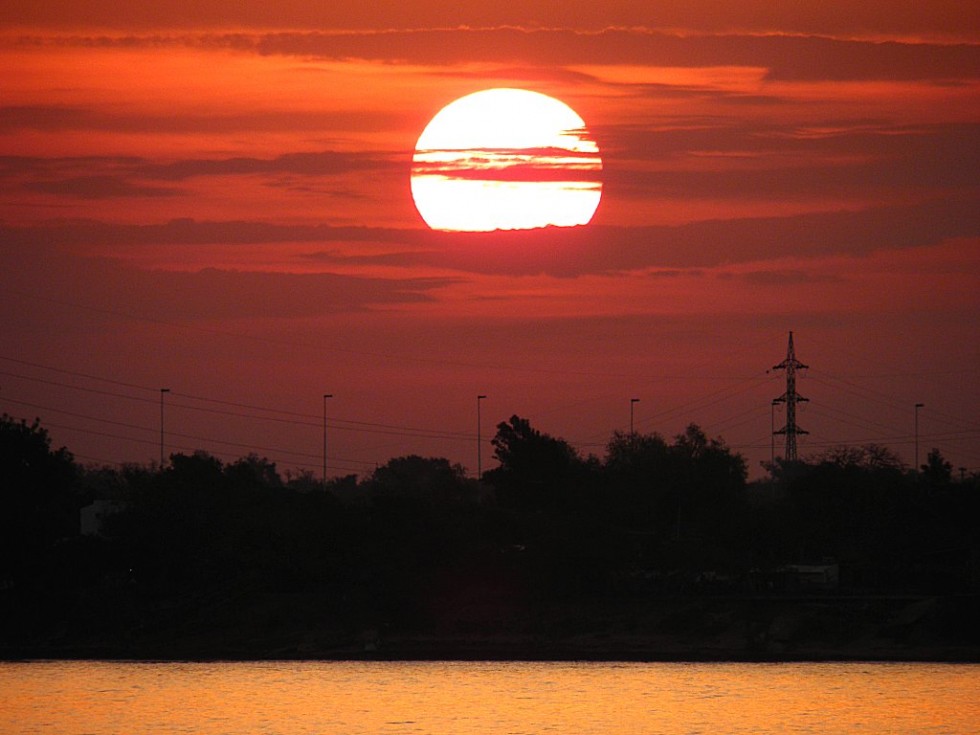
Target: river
[[474, 698]]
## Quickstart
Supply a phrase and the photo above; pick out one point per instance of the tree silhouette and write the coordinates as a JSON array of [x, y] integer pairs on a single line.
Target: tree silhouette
[[253, 471], [869, 457], [536, 470], [231, 550], [426, 480], [937, 471], [637, 473], [39, 493], [636, 455]]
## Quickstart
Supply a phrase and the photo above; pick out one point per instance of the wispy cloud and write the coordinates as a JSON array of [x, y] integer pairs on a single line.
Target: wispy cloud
[[98, 187], [63, 117], [786, 57], [783, 277], [207, 294], [565, 252], [107, 177], [951, 18]]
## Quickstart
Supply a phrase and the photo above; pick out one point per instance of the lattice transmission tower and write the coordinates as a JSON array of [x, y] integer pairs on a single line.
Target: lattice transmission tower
[[790, 398]]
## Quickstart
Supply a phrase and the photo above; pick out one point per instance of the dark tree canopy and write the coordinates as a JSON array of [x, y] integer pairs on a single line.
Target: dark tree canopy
[[421, 479], [37, 484], [27, 461], [636, 454], [536, 470], [936, 470], [866, 457], [204, 545]]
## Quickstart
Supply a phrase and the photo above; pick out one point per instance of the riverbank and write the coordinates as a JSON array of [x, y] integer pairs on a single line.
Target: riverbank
[[771, 629]]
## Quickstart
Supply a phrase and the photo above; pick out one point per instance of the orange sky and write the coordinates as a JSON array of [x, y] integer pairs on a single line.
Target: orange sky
[[216, 199]]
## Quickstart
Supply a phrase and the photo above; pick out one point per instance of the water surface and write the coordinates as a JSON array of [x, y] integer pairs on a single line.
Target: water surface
[[511, 698]]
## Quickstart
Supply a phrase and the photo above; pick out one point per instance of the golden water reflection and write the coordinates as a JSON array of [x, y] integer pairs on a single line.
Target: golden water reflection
[[299, 698]]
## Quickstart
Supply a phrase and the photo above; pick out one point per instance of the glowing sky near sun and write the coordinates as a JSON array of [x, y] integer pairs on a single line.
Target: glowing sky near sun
[[217, 198]]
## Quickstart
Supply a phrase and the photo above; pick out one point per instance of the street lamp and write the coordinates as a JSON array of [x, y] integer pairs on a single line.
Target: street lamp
[[479, 439], [917, 407], [325, 397], [162, 392], [632, 401]]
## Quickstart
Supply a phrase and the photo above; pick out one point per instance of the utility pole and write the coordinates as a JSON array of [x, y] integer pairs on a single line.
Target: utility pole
[[163, 391], [479, 439], [772, 431], [917, 407], [790, 398], [325, 397], [632, 402]]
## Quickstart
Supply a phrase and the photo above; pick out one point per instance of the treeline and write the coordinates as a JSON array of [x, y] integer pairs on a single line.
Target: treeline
[[418, 542]]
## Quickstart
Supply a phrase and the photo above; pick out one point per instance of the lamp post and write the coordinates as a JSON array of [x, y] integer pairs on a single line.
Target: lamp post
[[632, 402], [917, 407], [163, 391], [479, 439], [325, 397]]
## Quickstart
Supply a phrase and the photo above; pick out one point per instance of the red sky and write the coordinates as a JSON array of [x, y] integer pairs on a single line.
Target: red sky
[[214, 197]]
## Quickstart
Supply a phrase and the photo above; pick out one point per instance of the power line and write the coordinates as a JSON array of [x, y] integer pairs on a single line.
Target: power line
[[890, 401], [337, 423], [249, 446], [704, 401], [319, 347], [181, 447], [77, 374], [723, 426], [235, 404], [96, 391]]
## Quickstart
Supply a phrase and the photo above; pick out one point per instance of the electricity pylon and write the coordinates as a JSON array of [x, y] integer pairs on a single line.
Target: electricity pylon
[[790, 398]]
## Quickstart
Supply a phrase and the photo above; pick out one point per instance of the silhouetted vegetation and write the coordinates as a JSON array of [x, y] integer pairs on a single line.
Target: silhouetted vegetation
[[226, 554]]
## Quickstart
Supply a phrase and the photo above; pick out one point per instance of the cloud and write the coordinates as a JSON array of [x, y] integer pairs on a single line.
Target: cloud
[[319, 163], [785, 56], [523, 165], [600, 249], [187, 232], [675, 273], [830, 17], [564, 252], [42, 273], [98, 187], [44, 117], [827, 136], [62, 117], [709, 157], [783, 277], [846, 160], [138, 177], [308, 163]]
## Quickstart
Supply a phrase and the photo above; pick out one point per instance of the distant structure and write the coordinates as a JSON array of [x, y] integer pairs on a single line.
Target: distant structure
[[790, 398]]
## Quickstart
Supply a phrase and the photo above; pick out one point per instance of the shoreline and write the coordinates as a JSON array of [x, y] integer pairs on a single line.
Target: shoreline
[[417, 650], [497, 657], [838, 628]]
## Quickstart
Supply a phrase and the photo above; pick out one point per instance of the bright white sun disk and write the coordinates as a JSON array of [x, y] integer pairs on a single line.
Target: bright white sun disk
[[506, 159]]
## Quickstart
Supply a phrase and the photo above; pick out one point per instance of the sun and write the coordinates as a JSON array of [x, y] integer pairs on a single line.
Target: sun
[[506, 159]]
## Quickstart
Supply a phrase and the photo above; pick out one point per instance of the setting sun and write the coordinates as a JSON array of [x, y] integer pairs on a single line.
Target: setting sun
[[506, 159]]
